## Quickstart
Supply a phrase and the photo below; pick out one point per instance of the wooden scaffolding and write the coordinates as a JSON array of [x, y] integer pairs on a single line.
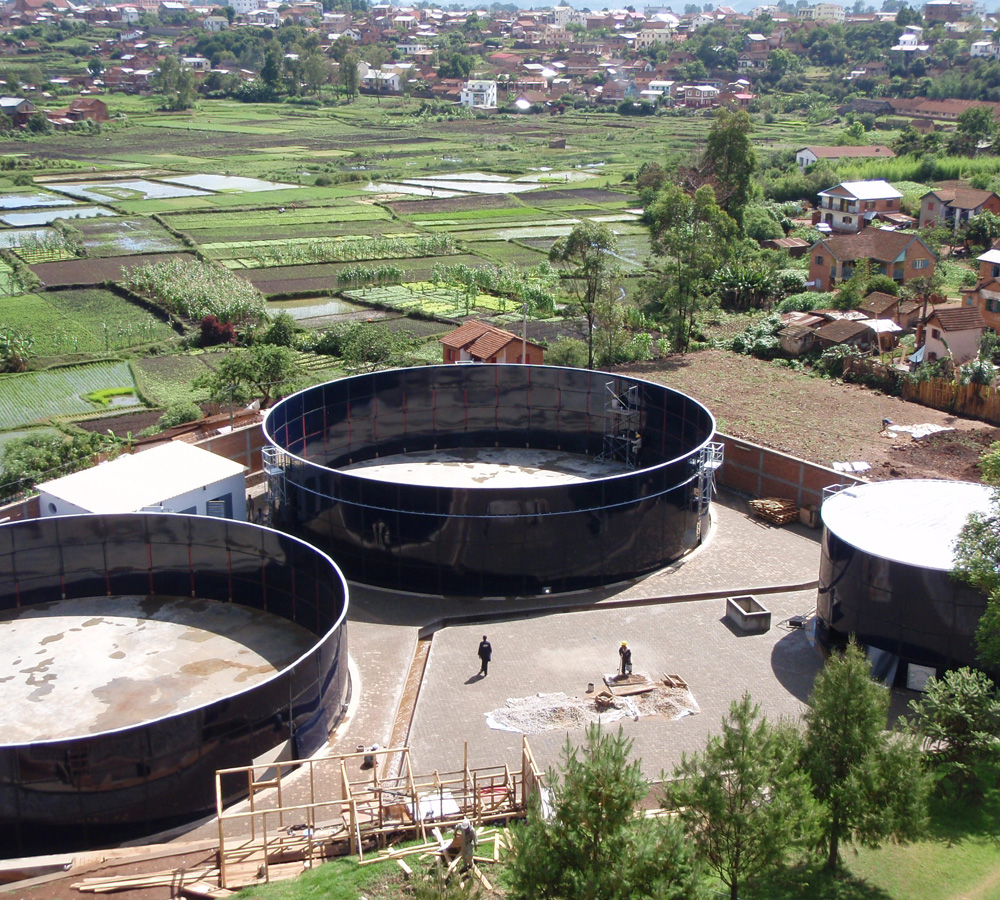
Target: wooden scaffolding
[[352, 803]]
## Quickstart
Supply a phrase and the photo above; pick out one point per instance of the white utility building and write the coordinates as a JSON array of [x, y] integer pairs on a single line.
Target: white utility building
[[173, 477]]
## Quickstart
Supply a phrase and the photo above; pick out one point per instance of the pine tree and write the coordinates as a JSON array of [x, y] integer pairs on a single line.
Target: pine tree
[[593, 846], [871, 782]]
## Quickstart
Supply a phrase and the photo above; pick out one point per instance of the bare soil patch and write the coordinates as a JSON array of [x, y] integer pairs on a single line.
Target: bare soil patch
[[576, 195], [453, 204], [97, 271], [820, 420]]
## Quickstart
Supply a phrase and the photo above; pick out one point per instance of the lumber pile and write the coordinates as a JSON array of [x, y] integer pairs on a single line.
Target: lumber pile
[[775, 510], [449, 854], [173, 878]]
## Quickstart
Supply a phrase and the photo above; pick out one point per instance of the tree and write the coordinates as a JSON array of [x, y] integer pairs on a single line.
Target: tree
[[745, 800], [281, 331], [977, 562], [15, 348], [261, 371], [28, 460], [270, 72], [693, 237], [364, 346], [983, 229], [871, 783], [594, 846], [729, 161], [976, 125], [349, 74], [587, 255], [95, 66], [959, 714]]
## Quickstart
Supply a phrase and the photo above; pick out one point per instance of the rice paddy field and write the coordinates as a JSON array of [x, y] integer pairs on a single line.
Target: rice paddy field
[[289, 199]]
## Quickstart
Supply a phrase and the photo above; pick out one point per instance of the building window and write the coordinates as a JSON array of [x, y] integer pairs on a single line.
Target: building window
[[936, 334], [996, 272], [848, 220], [930, 206], [819, 260], [921, 263]]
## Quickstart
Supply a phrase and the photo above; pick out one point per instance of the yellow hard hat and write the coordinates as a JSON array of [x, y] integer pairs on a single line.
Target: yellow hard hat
[[624, 643]]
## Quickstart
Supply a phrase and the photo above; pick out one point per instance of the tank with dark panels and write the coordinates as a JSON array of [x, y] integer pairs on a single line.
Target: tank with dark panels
[[886, 575], [156, 768], [488, 541]]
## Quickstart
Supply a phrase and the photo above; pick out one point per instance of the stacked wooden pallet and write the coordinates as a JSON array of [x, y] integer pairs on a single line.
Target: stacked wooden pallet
[[776, 510]]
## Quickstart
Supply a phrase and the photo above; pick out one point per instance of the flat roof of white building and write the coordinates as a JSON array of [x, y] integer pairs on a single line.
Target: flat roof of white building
[[139, 480], [912, 521]]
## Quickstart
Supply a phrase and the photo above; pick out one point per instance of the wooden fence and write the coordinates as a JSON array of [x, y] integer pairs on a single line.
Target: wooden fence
[[972, 401]]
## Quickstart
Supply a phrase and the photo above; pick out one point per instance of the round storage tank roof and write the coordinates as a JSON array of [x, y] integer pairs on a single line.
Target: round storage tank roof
[[915, 522]]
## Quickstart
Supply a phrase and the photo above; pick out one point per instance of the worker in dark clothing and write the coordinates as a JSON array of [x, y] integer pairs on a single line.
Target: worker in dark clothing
[[625, 655], [485, 655]]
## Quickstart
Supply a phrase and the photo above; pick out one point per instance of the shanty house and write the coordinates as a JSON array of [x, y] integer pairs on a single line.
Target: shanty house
[[879, 305], [845, 332], [478, 342]]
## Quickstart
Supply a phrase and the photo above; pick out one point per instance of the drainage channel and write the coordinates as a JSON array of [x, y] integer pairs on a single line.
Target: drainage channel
[[400, 735]]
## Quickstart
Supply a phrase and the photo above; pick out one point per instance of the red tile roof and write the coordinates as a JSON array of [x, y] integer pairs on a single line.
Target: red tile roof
[[479, 340], [959, 318]]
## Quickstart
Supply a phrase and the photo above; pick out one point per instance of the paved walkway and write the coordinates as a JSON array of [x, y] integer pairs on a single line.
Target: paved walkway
[[548, 649], [562, 642]]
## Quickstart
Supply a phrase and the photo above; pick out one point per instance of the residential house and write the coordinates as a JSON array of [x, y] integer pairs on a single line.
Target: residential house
[[17, 109], [955, 206], [946, 10], [851, 205], [807, 156], [899, 255], [822, 12], [87, 108], [949, 333], [481, 343], [985, 296], [479, 94], [653, 34], [700, 96], [984, 50], [215, 24]]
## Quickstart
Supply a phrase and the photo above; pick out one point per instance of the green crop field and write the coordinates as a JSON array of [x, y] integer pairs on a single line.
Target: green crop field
[[37, 396], [429, 299], [84, 321]]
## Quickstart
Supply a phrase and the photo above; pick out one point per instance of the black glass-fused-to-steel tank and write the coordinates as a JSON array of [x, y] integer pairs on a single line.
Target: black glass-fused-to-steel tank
[[155, 765], [482, 540], [886, 572]]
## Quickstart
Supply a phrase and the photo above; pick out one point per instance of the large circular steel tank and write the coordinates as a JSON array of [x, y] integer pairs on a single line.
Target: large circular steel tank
[[146, 756], [886, 571], [482, 540]]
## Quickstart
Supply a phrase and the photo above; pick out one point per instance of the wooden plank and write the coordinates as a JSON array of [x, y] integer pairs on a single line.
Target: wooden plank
[[638, 689], [407, 871], [206, 890]]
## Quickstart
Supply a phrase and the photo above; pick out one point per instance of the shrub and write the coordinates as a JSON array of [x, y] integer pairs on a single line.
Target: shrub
[[179, 413], [567, 352], [214, 332]]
